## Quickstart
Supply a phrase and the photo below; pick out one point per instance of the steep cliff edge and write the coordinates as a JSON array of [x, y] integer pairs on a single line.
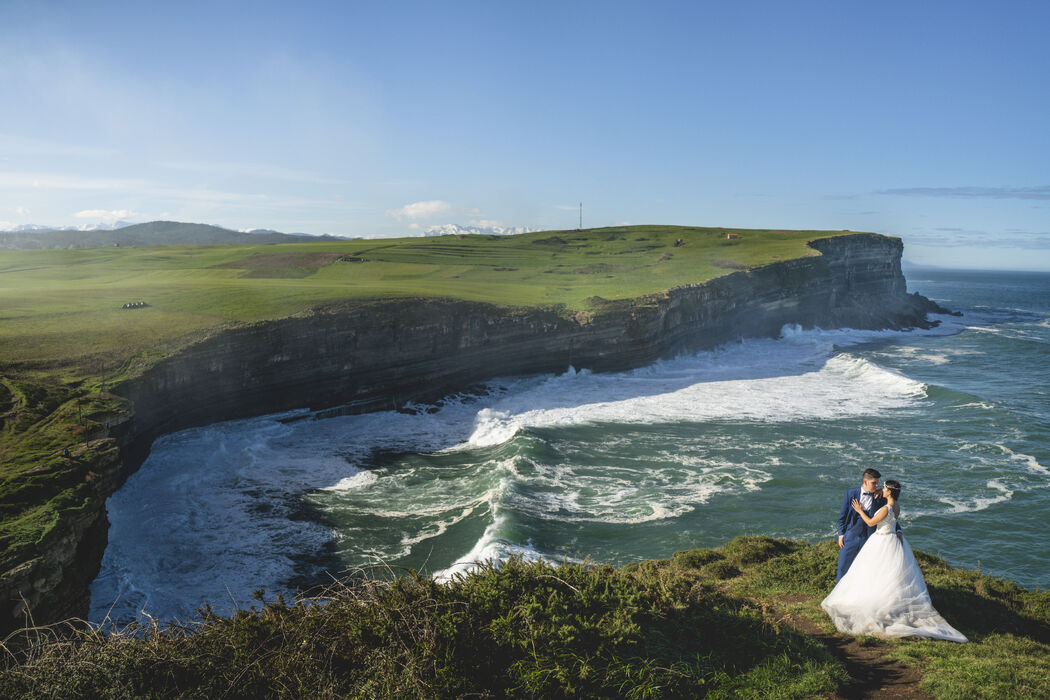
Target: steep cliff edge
[[380, 354]]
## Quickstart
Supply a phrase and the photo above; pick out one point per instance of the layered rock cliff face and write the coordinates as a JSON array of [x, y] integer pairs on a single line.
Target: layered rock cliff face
[[379, 355], [382, 354]]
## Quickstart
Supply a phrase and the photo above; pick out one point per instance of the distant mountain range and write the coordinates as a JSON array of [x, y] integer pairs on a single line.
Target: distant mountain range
[[35, 228], [121, 233], [153, 233]]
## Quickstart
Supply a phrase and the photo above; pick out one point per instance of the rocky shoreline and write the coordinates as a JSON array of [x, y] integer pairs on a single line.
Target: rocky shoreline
[[382, 354]]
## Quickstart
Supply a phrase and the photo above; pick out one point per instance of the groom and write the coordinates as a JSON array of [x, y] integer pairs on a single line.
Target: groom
[[853, 533]]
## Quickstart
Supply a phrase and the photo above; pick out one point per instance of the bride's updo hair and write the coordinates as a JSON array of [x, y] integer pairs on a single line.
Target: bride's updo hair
[[894, 487]]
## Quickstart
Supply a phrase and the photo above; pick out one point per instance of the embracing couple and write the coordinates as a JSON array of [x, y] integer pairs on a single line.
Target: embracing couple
[[880, 589]]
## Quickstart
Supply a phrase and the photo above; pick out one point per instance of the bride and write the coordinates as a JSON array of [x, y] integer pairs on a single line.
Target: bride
[[883, 593]]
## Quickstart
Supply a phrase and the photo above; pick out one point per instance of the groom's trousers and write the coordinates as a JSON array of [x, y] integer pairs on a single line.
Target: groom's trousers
[[851, 544]]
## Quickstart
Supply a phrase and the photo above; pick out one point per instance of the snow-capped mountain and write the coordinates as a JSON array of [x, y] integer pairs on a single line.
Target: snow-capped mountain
[[456, 229], [27, 228], [103, 226], [33, 228]]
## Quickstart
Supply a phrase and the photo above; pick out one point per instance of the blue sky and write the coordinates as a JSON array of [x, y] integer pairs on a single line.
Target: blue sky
[[926, 120]]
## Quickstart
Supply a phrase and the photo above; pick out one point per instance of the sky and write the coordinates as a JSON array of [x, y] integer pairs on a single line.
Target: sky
[[925, 120]]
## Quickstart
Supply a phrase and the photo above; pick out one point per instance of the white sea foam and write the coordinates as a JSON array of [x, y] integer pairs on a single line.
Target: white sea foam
[[1013, 333], [1002, 494], [763, 380], [492, 549], [992, 459], [607, 494], [361, 480], [916, 354], [1030, 462], [435, 529], [977, 404], [205, 512], [990, 456]]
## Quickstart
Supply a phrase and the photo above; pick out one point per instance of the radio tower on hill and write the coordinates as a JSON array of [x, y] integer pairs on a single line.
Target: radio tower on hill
[[581, 216]]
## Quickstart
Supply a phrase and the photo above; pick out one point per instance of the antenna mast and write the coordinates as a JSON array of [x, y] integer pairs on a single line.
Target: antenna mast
[[581, 216]]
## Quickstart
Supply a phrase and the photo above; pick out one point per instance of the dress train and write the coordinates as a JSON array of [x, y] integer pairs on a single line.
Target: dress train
[[884, 594]]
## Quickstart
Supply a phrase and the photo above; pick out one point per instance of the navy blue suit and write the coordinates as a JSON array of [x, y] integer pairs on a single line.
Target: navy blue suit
[[852, 528]]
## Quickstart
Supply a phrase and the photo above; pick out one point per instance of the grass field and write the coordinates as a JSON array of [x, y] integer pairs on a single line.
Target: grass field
[[62, 308]]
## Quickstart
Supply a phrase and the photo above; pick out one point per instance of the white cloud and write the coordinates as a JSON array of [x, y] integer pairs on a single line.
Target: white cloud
[[486, 223], [421, 210], [22, 211], [109, 216]]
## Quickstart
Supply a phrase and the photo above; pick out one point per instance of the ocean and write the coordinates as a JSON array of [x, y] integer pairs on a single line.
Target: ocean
[[757, 437]]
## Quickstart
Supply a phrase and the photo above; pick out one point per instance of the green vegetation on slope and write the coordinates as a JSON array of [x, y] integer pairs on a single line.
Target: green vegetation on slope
[[705, 623], [1008, 654], [526, 630]]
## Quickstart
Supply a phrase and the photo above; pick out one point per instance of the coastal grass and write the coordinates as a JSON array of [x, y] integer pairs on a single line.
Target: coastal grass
[[523, 630], [1008, 654], [63, 308], [1009, 632], [703, 623]]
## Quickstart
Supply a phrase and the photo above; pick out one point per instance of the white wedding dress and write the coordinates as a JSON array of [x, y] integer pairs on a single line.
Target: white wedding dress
[[883, 593]]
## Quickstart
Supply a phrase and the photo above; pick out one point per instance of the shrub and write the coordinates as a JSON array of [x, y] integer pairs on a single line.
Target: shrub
[[752, 550], [720, 569], [695, 558]]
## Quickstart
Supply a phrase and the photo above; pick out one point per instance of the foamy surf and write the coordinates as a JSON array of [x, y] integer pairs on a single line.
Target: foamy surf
[[1001, 494], [761, 380], [493, 550]]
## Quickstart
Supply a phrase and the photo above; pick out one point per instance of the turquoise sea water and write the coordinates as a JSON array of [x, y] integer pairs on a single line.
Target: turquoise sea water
[[759, 437]]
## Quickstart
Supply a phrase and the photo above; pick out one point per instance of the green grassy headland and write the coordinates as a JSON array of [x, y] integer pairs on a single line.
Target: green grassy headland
[[62, 308], [738, 621], [65, 338]]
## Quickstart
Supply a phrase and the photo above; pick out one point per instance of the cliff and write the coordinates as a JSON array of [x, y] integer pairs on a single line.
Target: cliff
[[380, 354]]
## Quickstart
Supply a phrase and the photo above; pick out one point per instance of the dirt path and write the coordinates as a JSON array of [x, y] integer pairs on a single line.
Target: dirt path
[[874, 676]]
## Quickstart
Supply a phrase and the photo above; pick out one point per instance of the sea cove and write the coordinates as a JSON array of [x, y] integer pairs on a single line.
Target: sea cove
[[78, 432], [755, 437]]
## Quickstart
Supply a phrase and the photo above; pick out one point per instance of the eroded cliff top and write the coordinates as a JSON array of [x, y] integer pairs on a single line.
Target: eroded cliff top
[[85, 308]]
